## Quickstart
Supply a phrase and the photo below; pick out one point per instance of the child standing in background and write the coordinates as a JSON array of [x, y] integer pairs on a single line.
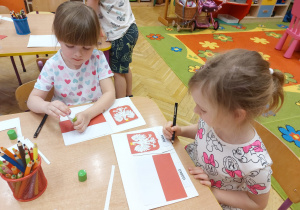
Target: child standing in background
[[118, 22], [230, 91], [79, 73]]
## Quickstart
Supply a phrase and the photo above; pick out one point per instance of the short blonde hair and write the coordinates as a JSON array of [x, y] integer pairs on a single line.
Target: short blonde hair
[[75, 23], [240, 79]]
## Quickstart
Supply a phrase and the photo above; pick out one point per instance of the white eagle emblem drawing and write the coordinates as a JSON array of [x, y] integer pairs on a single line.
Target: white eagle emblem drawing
[[122, 113], [143, 142]]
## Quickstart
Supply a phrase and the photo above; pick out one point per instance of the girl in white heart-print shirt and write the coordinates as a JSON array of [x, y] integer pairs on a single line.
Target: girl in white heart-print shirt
[[230, 91], [78, 72]]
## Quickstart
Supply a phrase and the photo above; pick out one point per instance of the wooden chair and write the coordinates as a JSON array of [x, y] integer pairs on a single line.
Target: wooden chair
[[22, 93], [286, 165], [4, 10]]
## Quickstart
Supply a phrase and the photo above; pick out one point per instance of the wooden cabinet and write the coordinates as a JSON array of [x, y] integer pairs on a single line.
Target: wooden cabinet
[[266, 11]]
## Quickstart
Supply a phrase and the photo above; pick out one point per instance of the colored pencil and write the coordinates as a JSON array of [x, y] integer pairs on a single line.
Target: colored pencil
[[7, 164], [22, 153], [24, 183], [14, 170], [8, 153], [35, 152], [13, 162], [27, 158], [31, 153], [17, 153], [19, 161]]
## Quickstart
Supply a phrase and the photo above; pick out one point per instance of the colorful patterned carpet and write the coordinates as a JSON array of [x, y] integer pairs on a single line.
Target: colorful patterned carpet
[[185, 52]]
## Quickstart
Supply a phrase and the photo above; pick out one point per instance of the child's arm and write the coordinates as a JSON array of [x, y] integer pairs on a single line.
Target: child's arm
[[103, 103], [185, 131], [241, 199], [36, 103]]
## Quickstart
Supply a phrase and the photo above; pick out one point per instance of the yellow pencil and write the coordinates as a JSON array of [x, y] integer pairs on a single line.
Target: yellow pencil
[[35, 152]]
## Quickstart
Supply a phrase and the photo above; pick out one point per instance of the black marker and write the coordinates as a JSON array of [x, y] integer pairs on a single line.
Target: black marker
[[174, 121], [40, 126]]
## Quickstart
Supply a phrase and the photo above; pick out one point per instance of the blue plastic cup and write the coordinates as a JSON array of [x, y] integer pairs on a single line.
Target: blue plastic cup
[[21, 26]]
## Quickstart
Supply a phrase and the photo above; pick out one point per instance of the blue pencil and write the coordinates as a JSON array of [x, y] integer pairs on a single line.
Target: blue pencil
[[19, 160], [13, 162]]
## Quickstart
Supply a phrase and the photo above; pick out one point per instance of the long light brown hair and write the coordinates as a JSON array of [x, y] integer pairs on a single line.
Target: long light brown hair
[[240, 79]]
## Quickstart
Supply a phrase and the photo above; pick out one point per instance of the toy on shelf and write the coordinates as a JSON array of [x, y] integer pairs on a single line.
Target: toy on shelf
[[207, 20], [185, 11]]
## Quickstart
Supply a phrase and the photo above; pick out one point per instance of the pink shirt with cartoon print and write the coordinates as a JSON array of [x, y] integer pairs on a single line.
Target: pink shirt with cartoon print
[[244, 167]]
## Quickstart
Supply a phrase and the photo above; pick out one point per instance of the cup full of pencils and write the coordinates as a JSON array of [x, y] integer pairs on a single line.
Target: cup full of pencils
[[23, 172], [20, 22]]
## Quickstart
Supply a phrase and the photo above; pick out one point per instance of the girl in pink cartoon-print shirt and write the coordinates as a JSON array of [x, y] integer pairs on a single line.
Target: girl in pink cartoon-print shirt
[[230, 91], [78, 72]]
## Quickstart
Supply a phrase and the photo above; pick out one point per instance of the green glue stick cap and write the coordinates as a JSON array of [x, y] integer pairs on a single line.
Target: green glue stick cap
[[12, 134], [82, 175]]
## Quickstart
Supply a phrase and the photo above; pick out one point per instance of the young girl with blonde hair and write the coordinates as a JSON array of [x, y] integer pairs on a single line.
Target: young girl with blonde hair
[[79, 72], [230, 91]]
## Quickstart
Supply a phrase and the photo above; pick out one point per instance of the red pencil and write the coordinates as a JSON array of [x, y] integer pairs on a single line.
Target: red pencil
[[31, 153]]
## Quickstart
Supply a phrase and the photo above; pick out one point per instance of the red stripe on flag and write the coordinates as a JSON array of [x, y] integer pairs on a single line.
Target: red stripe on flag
[[168, 176], [67, 125]]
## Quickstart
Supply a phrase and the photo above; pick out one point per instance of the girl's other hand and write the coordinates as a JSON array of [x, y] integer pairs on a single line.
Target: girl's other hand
[[168, 130], [199, 174], [57, 109], [83, 120]]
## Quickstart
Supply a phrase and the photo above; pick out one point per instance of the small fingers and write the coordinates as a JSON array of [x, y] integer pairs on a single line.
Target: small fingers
[[206, 183], [196, 170], [168, 130], [202, 177]]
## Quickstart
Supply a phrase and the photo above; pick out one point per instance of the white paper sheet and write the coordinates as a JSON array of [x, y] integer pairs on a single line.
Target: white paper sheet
[[10, 124], [7, 19], [43, 41], [140, 177], [122, 115]]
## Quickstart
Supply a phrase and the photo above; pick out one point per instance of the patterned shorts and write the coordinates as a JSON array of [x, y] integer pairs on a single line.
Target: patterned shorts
[[121, 50]]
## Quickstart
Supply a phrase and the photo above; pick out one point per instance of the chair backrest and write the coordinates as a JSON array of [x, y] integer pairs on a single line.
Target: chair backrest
[[22, 93], [4, 10], [294, 26], [46, 5], [286, 165]]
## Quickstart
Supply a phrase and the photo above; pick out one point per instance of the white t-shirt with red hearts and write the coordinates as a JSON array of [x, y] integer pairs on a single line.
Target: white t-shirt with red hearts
[[71, 86]]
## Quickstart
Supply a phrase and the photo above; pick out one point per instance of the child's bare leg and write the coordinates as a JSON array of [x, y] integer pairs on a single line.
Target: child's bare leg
[[120, 85], [128, 78]]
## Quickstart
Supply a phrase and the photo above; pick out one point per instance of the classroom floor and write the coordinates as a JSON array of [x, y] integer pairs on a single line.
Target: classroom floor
[[152, 78]]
